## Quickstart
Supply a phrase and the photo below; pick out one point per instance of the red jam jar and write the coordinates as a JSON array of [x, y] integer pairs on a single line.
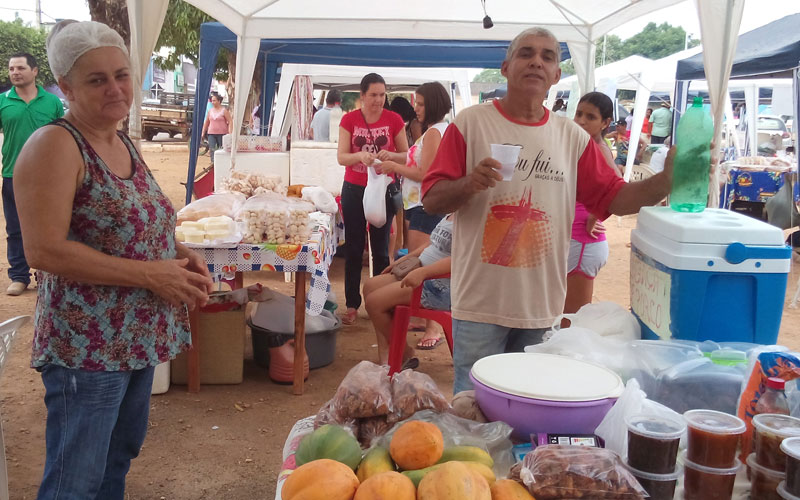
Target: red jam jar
[[770, 430], [713, 438], [708, 483], [653, 443]]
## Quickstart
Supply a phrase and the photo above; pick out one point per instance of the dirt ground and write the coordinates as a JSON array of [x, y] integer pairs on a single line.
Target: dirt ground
[[184, 456]]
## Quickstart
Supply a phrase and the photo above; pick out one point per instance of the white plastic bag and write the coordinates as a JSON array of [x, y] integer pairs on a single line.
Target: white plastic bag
[[375, 197], [633, 401], [608, 319], [321, 198], [586, 345]]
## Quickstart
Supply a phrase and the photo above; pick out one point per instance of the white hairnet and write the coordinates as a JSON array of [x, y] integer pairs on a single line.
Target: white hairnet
[[70, 39]]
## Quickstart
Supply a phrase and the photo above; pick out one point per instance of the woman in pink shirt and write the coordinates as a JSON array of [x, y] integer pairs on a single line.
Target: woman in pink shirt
[[588, 248], [218, 123]]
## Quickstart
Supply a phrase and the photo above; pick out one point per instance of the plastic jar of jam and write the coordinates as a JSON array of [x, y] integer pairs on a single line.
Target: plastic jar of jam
[[785, 494], [658, 486], [763, 481], [713, 438], [791, 447], [653, 443], [708, 483], [770, 430]]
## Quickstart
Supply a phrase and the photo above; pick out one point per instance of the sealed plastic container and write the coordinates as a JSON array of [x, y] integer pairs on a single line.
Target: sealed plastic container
[[653, 443], [763, 480], [715, 275], [713, 438], [784, 493], [658, 486], [770, 430], [692, 160], [708, 483], [535, 392], [791, 447]]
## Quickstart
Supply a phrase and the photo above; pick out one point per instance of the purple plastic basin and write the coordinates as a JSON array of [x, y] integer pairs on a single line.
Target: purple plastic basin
[[528, 415]]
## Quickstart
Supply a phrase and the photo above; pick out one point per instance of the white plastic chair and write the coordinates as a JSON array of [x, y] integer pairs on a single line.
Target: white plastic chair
[[8, 330]]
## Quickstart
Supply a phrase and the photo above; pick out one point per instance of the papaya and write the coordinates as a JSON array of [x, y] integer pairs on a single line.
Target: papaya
[[329, 441], [387, 486], [508, 489], [376, 461], [484, 471], [322, 479], [467, 454], [416, 445], [453, 480]]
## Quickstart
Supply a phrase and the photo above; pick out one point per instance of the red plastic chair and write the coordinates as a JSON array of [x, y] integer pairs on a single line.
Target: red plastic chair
[[402, 315]]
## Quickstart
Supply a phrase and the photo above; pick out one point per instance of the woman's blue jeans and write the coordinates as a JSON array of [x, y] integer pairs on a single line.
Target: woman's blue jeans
[[96, 424]]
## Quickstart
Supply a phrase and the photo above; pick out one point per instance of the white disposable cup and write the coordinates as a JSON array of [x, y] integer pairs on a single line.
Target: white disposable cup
[[507, 155]]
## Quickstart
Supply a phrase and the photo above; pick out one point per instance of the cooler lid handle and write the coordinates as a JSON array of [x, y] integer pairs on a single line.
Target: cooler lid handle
[[736, 253]]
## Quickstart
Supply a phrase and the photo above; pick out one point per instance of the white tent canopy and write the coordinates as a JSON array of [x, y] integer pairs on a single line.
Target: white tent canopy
[[330, 74]]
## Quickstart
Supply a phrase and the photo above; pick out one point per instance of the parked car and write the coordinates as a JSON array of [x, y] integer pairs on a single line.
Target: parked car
[[771, 128]]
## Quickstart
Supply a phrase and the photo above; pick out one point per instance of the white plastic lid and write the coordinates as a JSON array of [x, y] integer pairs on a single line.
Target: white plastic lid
[[785, 494], [780, 425], [714, 422], [711, 226], [655, 427], [547, 376], [791, 446], [757, 467], [728, 471]]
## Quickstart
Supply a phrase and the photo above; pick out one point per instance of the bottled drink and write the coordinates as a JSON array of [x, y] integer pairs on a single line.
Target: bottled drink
[[690, 177], [774, 398]]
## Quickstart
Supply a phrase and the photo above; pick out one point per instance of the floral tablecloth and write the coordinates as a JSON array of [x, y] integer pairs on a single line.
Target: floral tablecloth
[[314, 257], [750, 185]]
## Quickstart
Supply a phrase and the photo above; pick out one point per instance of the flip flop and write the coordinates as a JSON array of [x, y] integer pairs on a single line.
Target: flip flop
[[410, 364], [423, 347], [349, 317]]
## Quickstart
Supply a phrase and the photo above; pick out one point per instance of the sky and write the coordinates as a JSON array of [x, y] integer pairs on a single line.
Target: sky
[[756, 13]]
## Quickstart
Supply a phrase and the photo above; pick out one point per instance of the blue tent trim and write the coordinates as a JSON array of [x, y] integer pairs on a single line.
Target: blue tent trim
[[368, 52]]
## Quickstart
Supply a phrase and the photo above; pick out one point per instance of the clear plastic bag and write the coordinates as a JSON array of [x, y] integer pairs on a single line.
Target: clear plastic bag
[[265, 219], [366, 391], [251, 183], [465, 405], [412, 392], [321, 198], [298, 227], [607, 319], [372, 428], [554, 472], [493, 437], [213, 205]]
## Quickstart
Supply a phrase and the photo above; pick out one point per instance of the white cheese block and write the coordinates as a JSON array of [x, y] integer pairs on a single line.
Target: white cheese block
[[217, 234], [193, 236], [198, 226], [179, 233]]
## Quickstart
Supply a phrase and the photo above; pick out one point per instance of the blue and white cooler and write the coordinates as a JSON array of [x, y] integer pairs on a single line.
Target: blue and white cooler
[[715, 275]]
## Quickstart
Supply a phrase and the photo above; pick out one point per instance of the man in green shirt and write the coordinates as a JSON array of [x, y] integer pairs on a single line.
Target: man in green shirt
[[662, 124], [23, 109]]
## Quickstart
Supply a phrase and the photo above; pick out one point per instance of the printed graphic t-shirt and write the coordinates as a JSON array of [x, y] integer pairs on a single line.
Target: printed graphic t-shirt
[[372, 138], [510, 242], [411, 189]]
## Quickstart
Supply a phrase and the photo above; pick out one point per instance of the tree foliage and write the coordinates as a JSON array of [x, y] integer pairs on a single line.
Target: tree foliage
[[16, 37], [489, 76]]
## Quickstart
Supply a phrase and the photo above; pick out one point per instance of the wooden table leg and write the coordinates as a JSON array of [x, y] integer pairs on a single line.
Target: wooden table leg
[[238, 280], [193, 355], [299, 330]]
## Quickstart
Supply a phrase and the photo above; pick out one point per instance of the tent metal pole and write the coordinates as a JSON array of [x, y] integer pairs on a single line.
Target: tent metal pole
[[268, 94]]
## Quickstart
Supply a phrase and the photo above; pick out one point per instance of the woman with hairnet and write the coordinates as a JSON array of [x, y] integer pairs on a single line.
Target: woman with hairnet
[[114, 286]]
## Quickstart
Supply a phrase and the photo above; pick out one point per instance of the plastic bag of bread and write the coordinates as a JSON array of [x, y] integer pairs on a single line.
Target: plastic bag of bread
[[213, 205], [552, 472], [366, 391], [326, 415], [465, 405], [414, 391], [265, 217], [298, 227], [371, 428]]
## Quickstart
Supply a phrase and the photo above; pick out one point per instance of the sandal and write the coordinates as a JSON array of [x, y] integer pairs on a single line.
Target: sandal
[[350, 317], [429, 347], [410, 364]]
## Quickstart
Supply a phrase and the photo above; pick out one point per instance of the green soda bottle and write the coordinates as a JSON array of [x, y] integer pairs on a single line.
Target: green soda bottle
[[692, 162]]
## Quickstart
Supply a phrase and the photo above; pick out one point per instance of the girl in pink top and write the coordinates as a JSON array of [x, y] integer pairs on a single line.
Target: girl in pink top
[[218, 123], [588, 248]]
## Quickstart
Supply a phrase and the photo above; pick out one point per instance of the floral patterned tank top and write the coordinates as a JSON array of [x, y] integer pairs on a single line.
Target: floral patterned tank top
[[111, 328]]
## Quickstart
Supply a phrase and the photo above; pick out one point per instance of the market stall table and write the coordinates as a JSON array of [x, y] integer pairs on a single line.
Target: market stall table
[[312, 258]]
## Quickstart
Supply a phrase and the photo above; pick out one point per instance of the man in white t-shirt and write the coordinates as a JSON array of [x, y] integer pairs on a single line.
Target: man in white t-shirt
[[320, 124], [511, 239]]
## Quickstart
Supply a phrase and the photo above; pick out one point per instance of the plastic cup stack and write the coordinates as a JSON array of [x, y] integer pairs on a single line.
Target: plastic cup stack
[[652, 453]]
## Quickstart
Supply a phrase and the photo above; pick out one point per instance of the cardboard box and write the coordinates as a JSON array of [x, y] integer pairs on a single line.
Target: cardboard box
[[222, 340]]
